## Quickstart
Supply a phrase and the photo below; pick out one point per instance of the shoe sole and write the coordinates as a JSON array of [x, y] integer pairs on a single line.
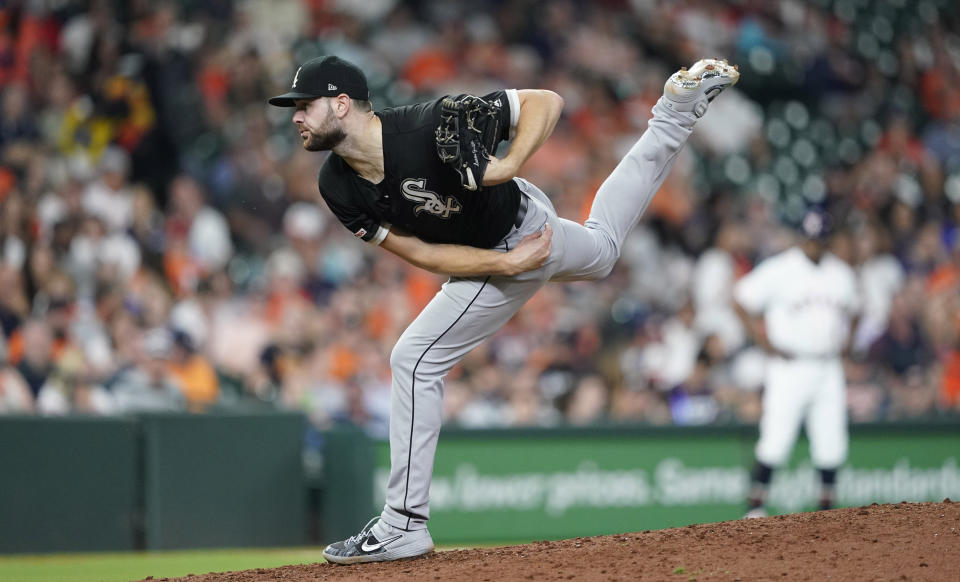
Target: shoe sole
[[388, 556], [368, 560], [713, 75]]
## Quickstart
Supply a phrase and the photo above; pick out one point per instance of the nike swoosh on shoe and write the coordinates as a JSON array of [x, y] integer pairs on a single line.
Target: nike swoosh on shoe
[[378, 545]]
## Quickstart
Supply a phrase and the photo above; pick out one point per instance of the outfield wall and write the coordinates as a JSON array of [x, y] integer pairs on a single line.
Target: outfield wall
[[553, 484], [67, 484], [152, 482], [239, 480]]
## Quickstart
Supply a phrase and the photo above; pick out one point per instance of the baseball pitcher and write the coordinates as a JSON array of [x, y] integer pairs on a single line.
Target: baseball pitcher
[[421, 181]]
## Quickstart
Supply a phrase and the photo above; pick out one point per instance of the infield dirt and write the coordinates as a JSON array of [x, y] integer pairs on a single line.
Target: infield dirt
[[901, 541]]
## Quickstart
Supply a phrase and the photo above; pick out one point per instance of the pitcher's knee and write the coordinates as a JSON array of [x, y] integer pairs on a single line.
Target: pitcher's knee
[[404, 357], [607, 267], [608, 256], [602, 268]]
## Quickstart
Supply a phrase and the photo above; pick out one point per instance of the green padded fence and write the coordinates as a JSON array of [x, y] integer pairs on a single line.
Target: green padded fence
[[238, 480], [67, 484], [224, 480], [154, 482], [506, 485], [346, 489]]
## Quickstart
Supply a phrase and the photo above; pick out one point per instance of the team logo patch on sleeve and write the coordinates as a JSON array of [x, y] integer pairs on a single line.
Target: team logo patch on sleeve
[[360, 233]]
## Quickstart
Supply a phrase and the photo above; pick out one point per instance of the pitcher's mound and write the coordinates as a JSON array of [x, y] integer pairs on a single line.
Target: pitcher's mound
[[901, 541]]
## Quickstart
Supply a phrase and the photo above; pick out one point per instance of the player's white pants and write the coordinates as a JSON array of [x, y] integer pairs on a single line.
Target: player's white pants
[[804, 389], [468, 310]]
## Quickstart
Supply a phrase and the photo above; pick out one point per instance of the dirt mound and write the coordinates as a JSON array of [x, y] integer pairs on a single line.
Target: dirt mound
[[902, 541]]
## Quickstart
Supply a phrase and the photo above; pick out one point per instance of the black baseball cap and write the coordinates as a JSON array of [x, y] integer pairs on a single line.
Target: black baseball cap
[[325, 77]]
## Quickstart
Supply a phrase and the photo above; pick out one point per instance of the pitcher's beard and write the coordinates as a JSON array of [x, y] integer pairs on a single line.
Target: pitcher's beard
[[324, 142]]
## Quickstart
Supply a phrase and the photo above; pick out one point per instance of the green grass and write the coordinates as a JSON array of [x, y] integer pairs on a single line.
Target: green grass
[[124, 567], [136, 565]]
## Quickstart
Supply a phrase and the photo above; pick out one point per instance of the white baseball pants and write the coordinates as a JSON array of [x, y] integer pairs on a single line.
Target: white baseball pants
[[810, 389]]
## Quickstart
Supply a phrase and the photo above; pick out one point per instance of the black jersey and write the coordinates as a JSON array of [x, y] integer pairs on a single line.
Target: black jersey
[[419, 194]]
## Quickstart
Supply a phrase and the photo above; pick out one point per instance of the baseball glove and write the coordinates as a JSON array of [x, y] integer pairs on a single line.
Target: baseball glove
[[468, 132]]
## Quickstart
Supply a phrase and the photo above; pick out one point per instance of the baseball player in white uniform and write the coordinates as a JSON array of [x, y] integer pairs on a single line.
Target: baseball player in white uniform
[[801, 306]]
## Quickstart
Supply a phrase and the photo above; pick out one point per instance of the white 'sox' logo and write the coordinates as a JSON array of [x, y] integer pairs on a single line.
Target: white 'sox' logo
[[413, 190]]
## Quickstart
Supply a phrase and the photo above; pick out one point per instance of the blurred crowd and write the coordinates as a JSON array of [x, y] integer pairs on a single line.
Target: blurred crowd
[[163, 246]]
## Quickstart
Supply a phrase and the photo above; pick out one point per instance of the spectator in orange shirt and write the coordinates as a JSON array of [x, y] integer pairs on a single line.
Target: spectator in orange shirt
[[950, 382], [950, 379], [193, 372], [56, 324], [946, 277]]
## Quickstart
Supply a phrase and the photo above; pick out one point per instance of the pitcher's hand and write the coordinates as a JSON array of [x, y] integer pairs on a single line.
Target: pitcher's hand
[[531, 252]]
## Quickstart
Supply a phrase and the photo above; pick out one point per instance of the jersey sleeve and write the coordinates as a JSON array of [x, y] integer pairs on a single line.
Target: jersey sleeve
[[848, 285], [513, 104], [354, 218], [854, 295], [362, 226], [754, 291]]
